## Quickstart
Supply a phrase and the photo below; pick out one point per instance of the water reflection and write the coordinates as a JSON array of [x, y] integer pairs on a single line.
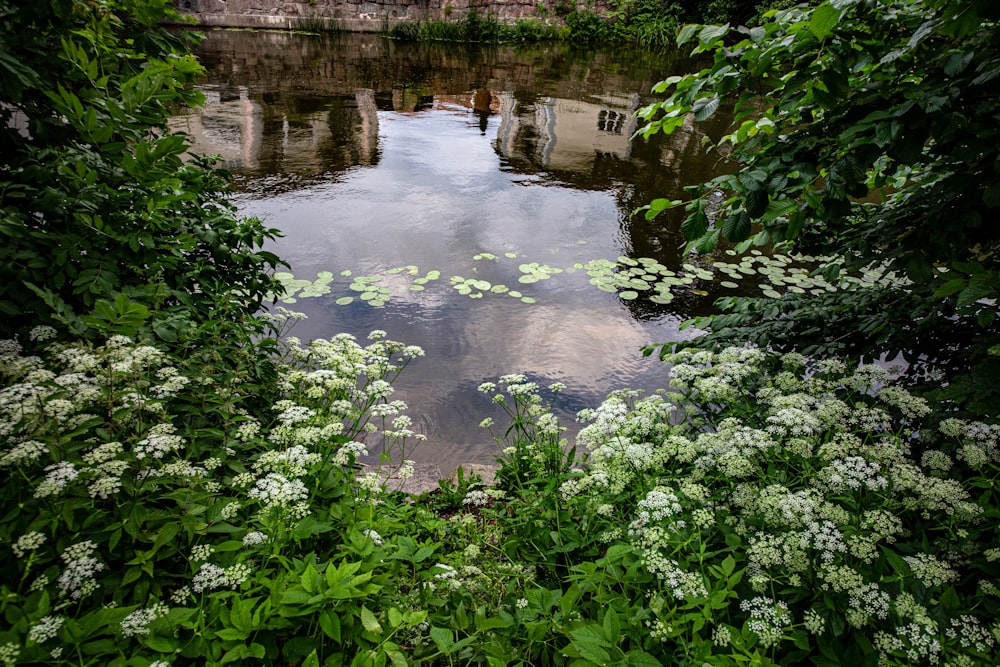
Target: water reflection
[[371, 155]]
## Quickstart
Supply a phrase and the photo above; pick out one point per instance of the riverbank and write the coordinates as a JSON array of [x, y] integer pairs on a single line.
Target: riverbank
[[380, 16]]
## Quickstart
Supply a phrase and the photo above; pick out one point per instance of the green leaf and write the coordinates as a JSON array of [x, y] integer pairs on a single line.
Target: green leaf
[[684, 35], [704, 107], [310, 580], [637, 658], [369, 621], [592, 651], [823, 20], [443, 638], [712, 33], [329, 622], [953, 286], [737, 226], [612, 626]]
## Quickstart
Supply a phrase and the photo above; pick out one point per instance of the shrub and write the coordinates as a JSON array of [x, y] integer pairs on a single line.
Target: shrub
[[767, 510]]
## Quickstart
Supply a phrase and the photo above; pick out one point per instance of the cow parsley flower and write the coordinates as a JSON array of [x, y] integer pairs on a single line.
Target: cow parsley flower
[[78, 577], [768, 619], [46, 628], [254, 537], [276, 490], [58, 475], [28, 543]]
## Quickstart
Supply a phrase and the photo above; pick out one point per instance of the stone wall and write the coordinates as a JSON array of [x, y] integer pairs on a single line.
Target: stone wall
[[368, 15]]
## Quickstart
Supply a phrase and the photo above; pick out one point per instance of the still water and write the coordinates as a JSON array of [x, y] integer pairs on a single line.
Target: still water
[[390, 162]]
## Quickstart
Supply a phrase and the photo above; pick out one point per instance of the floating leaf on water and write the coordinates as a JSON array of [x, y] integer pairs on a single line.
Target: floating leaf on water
[[359, 287], [527, 299], [797, 290], [748, 270], [463, 288], [607, 288], [704, 275], [629, 295], [756, 252], [635, 283], [289, 299], [417, 288], [770, 293], [510, 255], [481, 284], [433, 275], [515, 294], [283, 275], [396, 270], [324, 276], [730, 284], [498, 289], [627, 261], [662, 298], [476, 295], [528, 268], [344, 300], [346, 272], [528, 279], [689, 267], [731, 252], [368, 296]]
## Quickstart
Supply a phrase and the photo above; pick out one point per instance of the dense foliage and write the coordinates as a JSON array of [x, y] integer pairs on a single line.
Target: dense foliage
[[864, 131], [97, 197], [645, 23], [165, 502], [799, 514]]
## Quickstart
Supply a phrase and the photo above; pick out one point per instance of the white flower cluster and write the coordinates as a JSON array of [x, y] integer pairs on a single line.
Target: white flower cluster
[[768, 619], [46, 628], [253, 538], [161, 440], [78, 577], [57, 476], [28, 543], [294, 461], [276, 490], [348, 452], [137, 623]]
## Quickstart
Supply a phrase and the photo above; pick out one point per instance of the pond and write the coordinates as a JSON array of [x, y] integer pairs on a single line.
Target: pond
[[476, 202]]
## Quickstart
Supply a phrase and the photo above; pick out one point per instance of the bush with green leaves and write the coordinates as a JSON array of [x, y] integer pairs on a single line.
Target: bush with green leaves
[[97, 196], [768, 510], [149, 518], [864, 132]]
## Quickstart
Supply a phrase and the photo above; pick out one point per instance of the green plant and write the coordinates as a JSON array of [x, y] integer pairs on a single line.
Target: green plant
[[97, 198], [767, 510], [157, 518], [863, 132]]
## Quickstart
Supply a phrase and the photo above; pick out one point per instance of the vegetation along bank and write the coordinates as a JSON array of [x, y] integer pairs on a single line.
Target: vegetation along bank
[[179, 480]]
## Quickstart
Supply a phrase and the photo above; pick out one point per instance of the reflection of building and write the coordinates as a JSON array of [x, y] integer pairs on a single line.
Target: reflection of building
[[567, 135], [304, 136]]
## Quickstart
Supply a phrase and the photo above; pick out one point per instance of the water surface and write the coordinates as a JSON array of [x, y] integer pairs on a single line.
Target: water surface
[[372, 156]]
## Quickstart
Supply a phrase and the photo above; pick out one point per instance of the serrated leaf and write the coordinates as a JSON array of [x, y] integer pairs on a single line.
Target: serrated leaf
[[737, 226]]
